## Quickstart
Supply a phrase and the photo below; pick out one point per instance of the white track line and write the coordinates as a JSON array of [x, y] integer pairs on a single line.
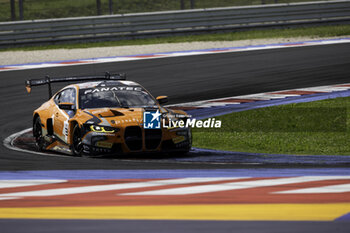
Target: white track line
[[110, 187], [341, 188], [23, 183], [236, 185], [8, 143]]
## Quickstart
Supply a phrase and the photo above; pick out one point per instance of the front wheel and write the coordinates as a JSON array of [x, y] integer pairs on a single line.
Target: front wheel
[[77, 146]]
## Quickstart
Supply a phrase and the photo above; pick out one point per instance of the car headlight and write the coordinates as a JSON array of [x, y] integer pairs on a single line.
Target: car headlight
[[103, 129]]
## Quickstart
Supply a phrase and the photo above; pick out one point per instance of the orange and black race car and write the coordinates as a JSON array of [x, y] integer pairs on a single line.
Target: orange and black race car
[[107, 115]]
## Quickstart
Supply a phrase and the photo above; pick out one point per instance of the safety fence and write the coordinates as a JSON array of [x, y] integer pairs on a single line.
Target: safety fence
[[102, 28]]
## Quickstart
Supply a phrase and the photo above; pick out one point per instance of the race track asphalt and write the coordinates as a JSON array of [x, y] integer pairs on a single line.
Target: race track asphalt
[[174, 226], [183, 79]]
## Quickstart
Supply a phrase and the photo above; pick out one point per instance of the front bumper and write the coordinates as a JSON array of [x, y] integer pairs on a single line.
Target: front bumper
[[136, 139]]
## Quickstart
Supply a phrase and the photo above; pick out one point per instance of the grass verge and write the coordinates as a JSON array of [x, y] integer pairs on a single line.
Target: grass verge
[[315, 128], [44, 9], [313, 32]]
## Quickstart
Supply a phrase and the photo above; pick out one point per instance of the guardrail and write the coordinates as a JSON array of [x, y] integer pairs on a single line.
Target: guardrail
[[103, 28]]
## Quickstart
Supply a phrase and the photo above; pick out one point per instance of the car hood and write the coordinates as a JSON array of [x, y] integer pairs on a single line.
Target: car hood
[[117, 116]]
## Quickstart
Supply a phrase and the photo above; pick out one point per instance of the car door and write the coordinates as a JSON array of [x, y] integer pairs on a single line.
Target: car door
[[61, 117]]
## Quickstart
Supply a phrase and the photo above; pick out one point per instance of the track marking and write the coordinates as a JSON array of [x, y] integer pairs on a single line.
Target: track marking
[[247, 212], [226, 101], [8, 143], [23, 183], [341, 188], [7, 198], [8, 68], [243, 203], [109, 187], [236, 185]]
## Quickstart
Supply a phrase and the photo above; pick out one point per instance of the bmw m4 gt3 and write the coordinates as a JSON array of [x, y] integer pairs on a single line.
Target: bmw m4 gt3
[[106, 115]]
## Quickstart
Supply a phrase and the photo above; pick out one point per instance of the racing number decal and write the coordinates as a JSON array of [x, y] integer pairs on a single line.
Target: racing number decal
[[65, 130]]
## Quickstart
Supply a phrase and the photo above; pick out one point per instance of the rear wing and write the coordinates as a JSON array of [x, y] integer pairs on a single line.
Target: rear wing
[[48, 80]]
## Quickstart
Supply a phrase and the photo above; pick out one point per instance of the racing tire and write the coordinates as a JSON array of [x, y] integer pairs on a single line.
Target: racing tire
[[38, 135], [77, 146]]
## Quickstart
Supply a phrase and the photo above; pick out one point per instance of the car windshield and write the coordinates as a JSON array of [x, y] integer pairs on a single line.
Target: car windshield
[[114, 97]]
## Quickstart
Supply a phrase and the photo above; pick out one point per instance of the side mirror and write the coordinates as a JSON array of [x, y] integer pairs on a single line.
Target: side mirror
[[66, 106], [162, 99], [29, 88]]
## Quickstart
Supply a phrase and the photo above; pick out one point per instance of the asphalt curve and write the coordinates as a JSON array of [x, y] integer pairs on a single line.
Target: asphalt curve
[[183, 79]]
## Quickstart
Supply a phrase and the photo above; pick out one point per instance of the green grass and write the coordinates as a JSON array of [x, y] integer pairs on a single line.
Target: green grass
[[45, 9], [315, 128], [313, 32]]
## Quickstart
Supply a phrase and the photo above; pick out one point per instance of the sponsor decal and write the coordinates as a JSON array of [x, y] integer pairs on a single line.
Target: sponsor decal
[[104, 144], [120, 88], [179, 139], [127, 121]]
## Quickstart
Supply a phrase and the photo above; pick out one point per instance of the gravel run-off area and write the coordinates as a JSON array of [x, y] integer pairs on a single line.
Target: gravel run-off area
[[22, 57]]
